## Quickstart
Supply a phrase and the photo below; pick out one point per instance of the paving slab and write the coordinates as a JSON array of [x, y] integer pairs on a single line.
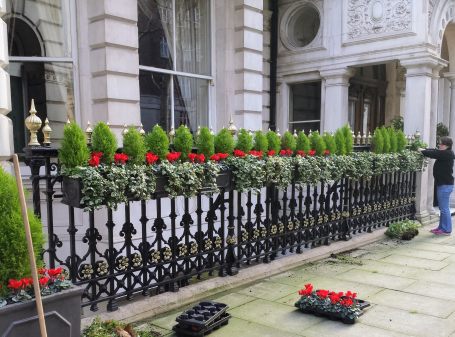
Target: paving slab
[[415, 262], [333, 328], [422, 254], [450, 259], [390, 269], [326, 269], [449, 268], [413, 302], [269, 290], [431, 289], [277, 316], [233, 299], [376, 279], [296, 279], [439, 276], [404, 322], [369, 255], [435, 247]]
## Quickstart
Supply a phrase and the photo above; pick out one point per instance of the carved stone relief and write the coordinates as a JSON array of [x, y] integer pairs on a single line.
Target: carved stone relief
[[431, 6], [376, 17]]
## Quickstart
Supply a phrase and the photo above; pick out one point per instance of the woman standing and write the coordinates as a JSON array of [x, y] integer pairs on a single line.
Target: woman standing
[[443, 180]]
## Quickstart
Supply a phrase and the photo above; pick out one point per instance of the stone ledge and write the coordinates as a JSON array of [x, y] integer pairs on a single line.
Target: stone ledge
[[155, 305]]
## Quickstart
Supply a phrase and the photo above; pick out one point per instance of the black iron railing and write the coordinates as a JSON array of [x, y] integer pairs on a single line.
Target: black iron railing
[[224, 231]]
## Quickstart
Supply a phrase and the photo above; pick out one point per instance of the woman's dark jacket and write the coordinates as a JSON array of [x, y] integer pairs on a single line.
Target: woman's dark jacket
[[443, 167]]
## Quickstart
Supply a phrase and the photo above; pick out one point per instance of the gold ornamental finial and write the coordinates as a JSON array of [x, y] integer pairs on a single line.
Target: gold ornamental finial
[[141, 130], [47, 133], [125, 130], [211, 131], [417, 134], [250, 133], [270, 130], [369, 137], [198, 132], [295, 134], [108, 125], [409, 138], [278, 133], [88, 133], [172, 134], [310, 133], [231, 128], [68, 122], [33, 124], [359, 138], [364, 138]]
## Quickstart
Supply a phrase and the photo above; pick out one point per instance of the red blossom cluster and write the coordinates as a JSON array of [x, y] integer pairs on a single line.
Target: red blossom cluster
[[344, 299], [173, 156], [335, 298], [301, 153], [219, 156], [121, 158], [257, 154], [326, 153], [286, 153], [347, 302], [312, 153], [151, 158], [95, 159], [238, 153], [199, 158], [271, 153], [307, 291], [43, 280]]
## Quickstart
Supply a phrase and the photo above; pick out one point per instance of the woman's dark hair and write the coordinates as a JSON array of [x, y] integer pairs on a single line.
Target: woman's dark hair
[[447, 141]]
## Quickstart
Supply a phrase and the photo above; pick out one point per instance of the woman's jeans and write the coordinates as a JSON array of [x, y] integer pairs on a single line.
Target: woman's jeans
[[445, 220]]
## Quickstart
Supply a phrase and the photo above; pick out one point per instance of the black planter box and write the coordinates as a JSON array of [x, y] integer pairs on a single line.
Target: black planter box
[[62, 315], [72, 192], [333, 316]]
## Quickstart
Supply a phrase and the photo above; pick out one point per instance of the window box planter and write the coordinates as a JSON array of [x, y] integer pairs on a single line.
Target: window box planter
[[62, 314], [333, 316]]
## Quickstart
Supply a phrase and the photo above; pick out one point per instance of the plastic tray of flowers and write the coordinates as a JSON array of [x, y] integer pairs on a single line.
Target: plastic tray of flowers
[[335, 306]]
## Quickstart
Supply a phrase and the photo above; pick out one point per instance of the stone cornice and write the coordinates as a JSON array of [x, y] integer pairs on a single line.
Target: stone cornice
[[450, 76], [337, 76]]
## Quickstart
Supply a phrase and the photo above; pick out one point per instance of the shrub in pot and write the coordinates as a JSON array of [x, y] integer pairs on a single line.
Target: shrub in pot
[[224, 142], [330, 143], [348, 139], [393, 139], [204, 143], [183, 141], [157, 142], [288, 142], [104, 141], [302, 143], [317, 143], [386, 138], [134, 147], [261, 143], [377, 141], [74, 151], [244, 141], [402, 142], [340, 142], [274, 142]]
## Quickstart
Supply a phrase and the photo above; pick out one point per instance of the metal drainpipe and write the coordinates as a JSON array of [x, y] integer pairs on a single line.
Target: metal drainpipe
[[273, 62]]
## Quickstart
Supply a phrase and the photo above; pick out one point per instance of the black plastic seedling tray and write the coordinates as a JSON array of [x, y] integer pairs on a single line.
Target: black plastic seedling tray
[[221, 320], [201, 315]]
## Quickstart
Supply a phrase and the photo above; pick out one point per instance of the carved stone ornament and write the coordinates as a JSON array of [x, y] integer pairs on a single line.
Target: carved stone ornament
[[367, 18]]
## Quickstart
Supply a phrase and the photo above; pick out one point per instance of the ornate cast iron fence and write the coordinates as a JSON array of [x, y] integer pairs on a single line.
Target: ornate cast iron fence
[[233, 229]]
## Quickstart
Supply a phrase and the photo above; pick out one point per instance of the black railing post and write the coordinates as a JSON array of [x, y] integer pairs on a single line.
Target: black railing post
[[231, 240], [111, 256]]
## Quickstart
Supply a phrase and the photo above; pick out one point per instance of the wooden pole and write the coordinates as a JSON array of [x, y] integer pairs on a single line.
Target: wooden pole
[[31, 254]]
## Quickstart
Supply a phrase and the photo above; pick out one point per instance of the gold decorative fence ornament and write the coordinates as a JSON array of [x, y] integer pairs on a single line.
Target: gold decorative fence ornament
[[171, 134], [231, 128], [295, 134], [88, 133], [141, 130], [369, 137], [47, 133], [125, 130], [250, 133], [33, 124], [198, 132], [211, 131], [278, 133]]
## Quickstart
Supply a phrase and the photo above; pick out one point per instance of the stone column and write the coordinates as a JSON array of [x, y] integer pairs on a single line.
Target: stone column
[[248, 21], [451, 77], [6, 126], [417, 115], [433, 129], [114, 62], [336, 97]]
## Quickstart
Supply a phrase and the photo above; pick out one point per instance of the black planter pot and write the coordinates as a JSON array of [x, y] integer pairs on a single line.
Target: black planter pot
[[72, 192], [62, 315]]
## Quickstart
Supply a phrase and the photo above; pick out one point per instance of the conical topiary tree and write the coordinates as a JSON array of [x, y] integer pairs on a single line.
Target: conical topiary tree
[[157, 142], [105, 141], [393, 139], [14, 261], [183, 141], [302, 143], [274, 142], [224, 142], [204, 143], [244, 141], [340, 142], [260, 142], [288, 142], [317, 143], [386, 139], [134, 147], [348, 138], [402, 142], [74, 151], [378, 141], [330, 143]]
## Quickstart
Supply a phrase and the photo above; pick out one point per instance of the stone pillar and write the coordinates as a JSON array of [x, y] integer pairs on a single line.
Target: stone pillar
[[417, 116], [266, 71], [6, 126], [336, 97], [451, 77], [114, 62], [248, 21], [433, 129]]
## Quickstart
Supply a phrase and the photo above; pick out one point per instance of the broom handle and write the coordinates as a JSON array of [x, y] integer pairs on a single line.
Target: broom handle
[[31, 254]]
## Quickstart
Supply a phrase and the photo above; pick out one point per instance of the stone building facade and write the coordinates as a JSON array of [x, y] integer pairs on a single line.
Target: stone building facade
[[284, 64]]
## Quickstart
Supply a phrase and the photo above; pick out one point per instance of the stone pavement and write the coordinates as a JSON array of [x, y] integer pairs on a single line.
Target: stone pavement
[[411, 287]]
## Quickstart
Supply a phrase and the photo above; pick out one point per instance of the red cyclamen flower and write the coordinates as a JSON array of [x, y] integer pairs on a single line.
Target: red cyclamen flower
[[54, 272], [222, 155], [192, 157], [312, 153], [301, 153], [271, 153], [257, 154], [173, 156], [151, 158], [326, 153], [215, 158], [43, 281], [121, 158], [13, 284], [94, 161], [97, 154], [200, 158], [240, 154]]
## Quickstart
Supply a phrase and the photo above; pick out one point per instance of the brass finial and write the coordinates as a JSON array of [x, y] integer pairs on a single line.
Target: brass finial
[[88, 133], [369, 137], [417, 134], [125, 129], [198, 132], [141, 130], [108, 125], [413, 138], [250, 133], [270, 129], [310, 133], [231, 128], [331, 133], [68, 122], [211, 131], [364, 138], [33, 124], [359, 138], [47, 133], [409, 138], [295, 134], [278, 133], [172, 134]]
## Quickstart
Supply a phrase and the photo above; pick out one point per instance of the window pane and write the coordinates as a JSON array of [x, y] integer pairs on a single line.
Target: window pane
[[306, 102], [155, 101], [51, 86], [155, 33], [191, 102], [305, 127], [38, 28], [193, 36]]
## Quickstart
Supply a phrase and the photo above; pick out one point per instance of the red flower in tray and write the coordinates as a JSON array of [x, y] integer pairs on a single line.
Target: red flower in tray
[[14, 284]]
